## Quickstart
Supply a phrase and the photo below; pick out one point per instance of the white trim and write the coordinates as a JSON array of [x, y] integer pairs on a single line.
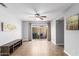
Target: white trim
[[53, 42], [67, 53], [57, 43]]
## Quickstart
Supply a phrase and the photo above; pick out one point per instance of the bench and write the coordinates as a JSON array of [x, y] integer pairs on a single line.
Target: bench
[[8, 48]]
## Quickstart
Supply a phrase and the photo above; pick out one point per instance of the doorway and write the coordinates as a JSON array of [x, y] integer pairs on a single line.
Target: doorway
[[39, 32], [60, 32]]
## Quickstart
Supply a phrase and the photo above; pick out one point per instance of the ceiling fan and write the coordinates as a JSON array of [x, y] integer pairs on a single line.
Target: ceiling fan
[[3, 5], [37, 15]]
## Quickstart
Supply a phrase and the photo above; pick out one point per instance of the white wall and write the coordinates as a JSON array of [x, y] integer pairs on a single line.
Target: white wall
[[71, 36], [53, 31], [6, 37], [25, 30]]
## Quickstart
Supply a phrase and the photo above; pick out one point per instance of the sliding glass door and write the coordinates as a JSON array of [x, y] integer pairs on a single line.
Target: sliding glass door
[[39, 32]]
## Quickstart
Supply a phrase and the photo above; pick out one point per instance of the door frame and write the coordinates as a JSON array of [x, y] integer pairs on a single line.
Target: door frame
[[40, 27]]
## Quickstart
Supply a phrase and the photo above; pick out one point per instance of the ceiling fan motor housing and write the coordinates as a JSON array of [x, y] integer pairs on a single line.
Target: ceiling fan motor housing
[[37, 15]]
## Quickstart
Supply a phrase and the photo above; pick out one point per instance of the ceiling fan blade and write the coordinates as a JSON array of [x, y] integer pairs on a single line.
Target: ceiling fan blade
[[3, 5], [41, 18], [44, 16]]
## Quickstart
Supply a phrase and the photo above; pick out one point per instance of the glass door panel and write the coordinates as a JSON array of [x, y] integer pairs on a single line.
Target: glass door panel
[[39, 32]]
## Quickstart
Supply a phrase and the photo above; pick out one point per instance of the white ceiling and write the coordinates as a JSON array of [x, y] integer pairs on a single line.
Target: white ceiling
[[24, 11]]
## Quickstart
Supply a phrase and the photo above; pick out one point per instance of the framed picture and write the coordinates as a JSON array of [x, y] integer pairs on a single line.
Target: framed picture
[[72, 22], [1, 26], [9, 27]]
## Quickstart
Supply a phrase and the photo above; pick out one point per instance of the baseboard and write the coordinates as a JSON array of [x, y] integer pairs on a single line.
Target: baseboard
[[57, 43], [54, 42], [60, 44], [25, 40], [66, 53]]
